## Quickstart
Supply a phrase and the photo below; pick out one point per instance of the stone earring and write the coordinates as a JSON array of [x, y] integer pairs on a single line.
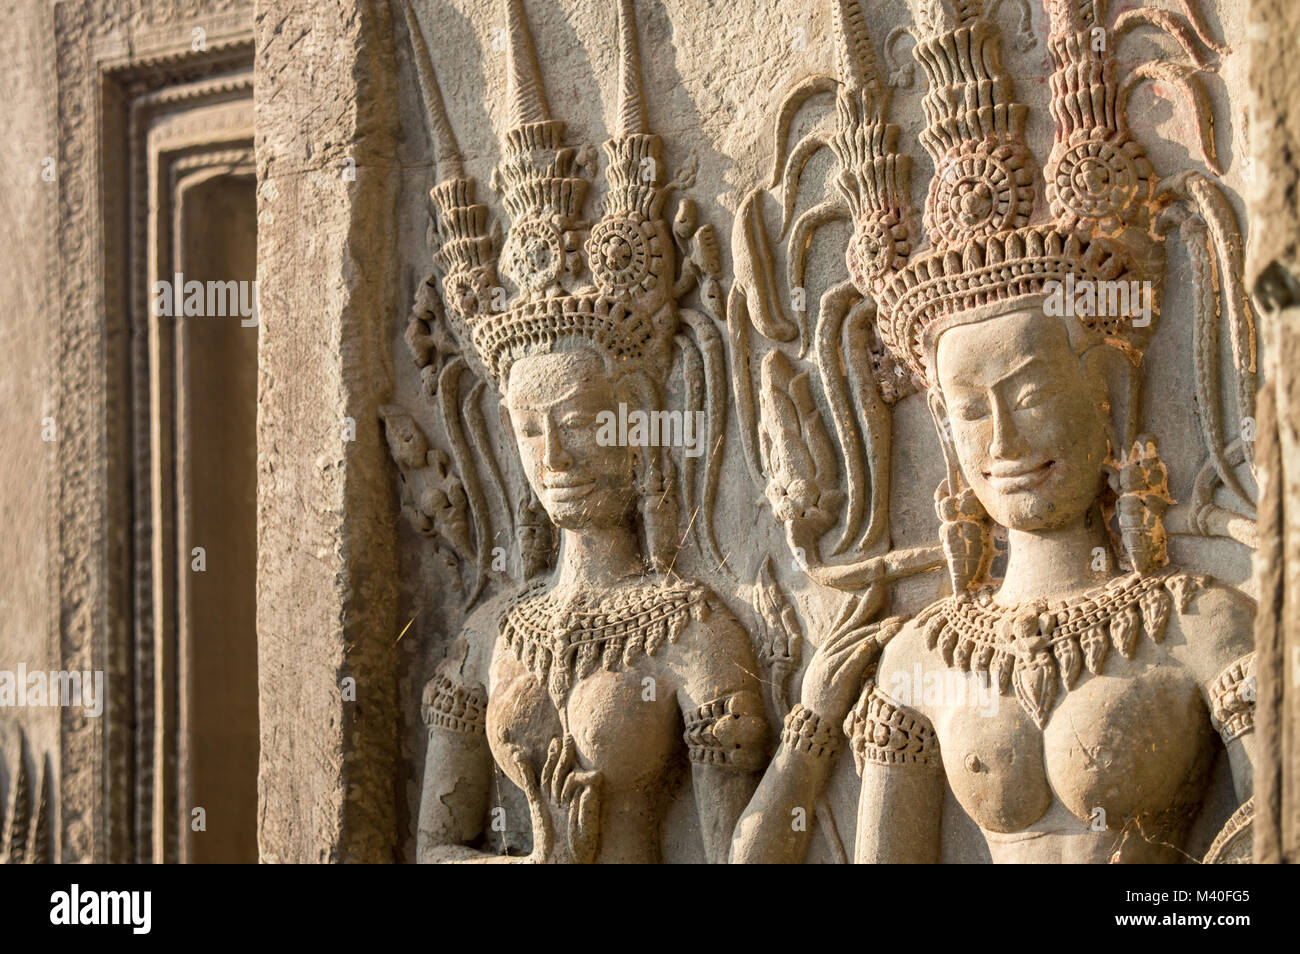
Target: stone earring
[[535, 536], [1141, 484], [658, 506], [966, 535]]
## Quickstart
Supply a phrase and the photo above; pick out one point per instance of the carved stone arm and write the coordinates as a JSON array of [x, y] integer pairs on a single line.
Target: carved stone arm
[[776, 825], [900, 807], [458, 763], [725, 729], [720, 797], [725, 741], [1218, 629], [454, 800], [1232, 702]]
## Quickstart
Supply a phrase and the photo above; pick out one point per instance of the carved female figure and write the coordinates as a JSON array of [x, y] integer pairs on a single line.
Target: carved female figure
[[594, 684], [1120, 676]]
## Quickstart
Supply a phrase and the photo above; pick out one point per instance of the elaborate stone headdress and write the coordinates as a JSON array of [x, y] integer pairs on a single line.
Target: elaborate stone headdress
[[817, 434], [616, 287], [988, 248], [627, 311], [990, 251]]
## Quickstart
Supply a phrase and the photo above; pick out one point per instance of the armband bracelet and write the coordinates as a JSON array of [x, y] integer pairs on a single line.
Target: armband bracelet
[[1232, 699], [729, 732], [886, 733], [451, 706], [808, 732]]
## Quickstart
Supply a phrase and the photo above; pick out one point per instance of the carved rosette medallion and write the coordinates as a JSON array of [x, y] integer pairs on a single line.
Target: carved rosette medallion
[[533, 255], [874, 248], [982, 190], [626, 255], [1098, 179], [468, 293]]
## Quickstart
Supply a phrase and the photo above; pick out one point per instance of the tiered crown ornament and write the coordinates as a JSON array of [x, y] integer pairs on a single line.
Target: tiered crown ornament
[[989, 248], [615, 286], [986, 244], [992, 251], [627, 310]]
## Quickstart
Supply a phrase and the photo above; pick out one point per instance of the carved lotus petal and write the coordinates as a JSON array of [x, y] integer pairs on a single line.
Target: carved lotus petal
[[1001, 667], [1124, 627], [635, 646], [612, 655], [1094, 643], [1070, 660], [947, 643], [1035, 684], [1155, 604], [1183, 587], [932, 630]]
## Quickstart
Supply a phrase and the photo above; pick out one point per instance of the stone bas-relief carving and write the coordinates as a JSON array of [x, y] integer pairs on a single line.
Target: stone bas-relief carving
[[25, 833], [592, 684], [1127, 673], [1069, 696], [902, 675]]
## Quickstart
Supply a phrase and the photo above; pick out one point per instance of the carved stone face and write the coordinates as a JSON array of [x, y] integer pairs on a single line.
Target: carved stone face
[[1027, 422], [554, 401]]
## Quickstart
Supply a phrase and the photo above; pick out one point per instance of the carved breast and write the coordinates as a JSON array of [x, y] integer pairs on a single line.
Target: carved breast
[[630, 740], [1126, 744]]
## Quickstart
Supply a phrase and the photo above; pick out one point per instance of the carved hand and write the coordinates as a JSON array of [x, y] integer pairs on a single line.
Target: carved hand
[[834, 676], [543, 831], [566, 785]]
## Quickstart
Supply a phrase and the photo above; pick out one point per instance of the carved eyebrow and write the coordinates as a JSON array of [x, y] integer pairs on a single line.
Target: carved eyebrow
[[1023, 365], [568, 395]]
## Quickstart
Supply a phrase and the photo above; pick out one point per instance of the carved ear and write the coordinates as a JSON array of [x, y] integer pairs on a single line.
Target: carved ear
[[636, 390], [1111, 374], [631, 388], [939, 412]]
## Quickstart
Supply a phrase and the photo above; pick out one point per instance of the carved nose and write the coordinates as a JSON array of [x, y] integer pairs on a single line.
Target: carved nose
[[1006, 442], [554, 456]]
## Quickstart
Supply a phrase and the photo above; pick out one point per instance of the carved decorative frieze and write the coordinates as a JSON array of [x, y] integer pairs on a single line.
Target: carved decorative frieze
[[109, 56]]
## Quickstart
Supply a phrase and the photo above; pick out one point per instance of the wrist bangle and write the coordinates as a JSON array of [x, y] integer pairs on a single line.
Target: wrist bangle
[[808, 732]]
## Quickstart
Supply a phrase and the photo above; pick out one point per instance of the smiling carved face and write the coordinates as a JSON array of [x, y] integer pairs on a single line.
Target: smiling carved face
[[1028, 425], [554, 402]]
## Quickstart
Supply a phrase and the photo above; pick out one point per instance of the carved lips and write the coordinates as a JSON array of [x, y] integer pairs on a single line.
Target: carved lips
[[566, 488], [1015, 476]]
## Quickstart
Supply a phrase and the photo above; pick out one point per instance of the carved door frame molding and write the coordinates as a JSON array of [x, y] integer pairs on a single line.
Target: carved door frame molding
[[118, 65]]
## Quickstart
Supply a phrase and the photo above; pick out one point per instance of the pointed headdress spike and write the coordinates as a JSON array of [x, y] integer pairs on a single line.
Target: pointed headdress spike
[[855, 63], [446, 154], [631, 93], [524, 93]]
